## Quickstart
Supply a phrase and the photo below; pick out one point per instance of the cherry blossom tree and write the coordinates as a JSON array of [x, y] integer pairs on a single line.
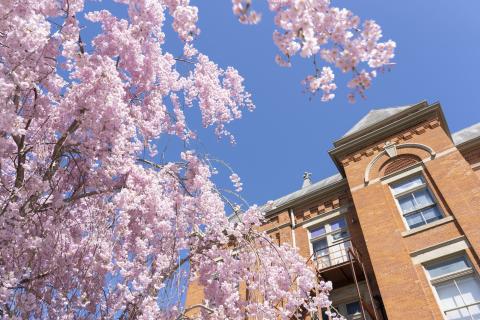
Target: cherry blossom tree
[[91, 226]]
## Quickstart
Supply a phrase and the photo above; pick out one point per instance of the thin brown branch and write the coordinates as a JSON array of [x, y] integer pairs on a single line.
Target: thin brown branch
[[195, 306], [58, 149]]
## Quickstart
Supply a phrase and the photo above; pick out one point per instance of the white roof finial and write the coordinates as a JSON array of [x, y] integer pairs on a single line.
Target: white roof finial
[[306, 179]]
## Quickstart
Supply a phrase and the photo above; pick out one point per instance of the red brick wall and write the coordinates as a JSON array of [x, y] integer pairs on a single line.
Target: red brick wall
[[404, 288], [472, 155]]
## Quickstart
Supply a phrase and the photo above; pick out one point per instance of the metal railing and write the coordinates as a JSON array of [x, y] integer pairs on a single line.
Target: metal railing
[[344, 253], [334, 254]]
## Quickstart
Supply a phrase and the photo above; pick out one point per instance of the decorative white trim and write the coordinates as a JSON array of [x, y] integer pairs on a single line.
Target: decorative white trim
[[373, 181], [324, 217], [418, 146], [398, 175], [370, 165], [310, 245], [390, 149], [366, 177], [277, 228], [451, 276], [439, 250], [361, 186], [445, 152]]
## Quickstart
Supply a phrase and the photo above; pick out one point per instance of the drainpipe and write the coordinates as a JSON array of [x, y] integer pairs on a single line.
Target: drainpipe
[[292, 223], [294, 241]]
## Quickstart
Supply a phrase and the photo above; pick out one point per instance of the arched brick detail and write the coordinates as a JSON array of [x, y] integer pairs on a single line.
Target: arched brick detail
[[398, 163], [377, 161]]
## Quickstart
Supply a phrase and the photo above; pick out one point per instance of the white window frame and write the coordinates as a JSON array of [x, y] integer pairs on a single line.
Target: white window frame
[[424, 186], [336, 250], [468, 272], [328, 232]]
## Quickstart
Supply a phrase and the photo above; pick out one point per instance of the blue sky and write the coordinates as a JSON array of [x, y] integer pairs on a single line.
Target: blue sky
[[437, 59], [438, 51]]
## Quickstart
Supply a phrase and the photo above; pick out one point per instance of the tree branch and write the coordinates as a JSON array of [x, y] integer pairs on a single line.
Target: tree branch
[[195, 306]]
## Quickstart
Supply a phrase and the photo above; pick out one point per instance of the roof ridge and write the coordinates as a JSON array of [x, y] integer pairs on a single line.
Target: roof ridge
[[466, 134], [374, 116], [299, 193]]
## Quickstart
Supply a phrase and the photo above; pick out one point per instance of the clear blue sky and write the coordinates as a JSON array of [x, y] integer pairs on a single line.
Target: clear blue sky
[[438, 59]]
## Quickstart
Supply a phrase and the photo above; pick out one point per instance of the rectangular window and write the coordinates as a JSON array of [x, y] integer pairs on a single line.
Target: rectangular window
[[352, 311], [457, 288], [353, 308], [417, 205], [330, 242]]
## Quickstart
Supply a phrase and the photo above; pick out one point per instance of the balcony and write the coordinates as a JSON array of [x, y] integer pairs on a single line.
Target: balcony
[[341, 263], [333, 255]]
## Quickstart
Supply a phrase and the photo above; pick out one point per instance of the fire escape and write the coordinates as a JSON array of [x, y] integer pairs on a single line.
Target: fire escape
[[341, 264]]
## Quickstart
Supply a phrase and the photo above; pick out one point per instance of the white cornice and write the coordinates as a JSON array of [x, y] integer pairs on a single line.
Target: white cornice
[[384, 129]]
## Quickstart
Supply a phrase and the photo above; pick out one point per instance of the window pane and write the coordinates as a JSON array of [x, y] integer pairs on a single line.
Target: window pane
[[423, 198], [407, 184], [449, 266], [414, 220], [470, 289], [475, 311], [406, 203], [319, 246], [340, 235], [449, 296], [338, 224], [431, 214], [317, 232], [459, 314], [353, 308]]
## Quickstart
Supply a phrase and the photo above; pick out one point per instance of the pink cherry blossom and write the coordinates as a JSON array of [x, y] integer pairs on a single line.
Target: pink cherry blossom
[[324, 82], [236, 182], [315, 29], [92, 225]]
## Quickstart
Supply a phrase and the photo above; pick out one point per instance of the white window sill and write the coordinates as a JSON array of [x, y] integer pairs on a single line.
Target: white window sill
[[434, 224]]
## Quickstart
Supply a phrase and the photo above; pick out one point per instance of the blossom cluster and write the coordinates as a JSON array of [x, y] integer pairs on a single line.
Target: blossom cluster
[[323, 82], [316, 29], [277, 288], [241, 8], [236, 182]]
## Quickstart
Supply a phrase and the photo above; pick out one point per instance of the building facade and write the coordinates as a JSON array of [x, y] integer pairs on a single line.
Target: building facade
[[397, 230]]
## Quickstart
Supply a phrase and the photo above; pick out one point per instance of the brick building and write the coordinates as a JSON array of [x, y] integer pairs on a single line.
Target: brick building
[[397, 230]]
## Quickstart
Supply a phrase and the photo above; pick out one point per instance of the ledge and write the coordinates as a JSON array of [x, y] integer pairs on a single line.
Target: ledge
[[322, 217], [427, 226], [438, 250]]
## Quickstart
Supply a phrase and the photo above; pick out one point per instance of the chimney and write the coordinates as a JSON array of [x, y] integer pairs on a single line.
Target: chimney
[[306, 179]]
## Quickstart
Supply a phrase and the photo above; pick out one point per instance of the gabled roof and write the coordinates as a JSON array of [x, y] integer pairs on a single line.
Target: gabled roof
[[305, 192], [375, 116], [466, 134]]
